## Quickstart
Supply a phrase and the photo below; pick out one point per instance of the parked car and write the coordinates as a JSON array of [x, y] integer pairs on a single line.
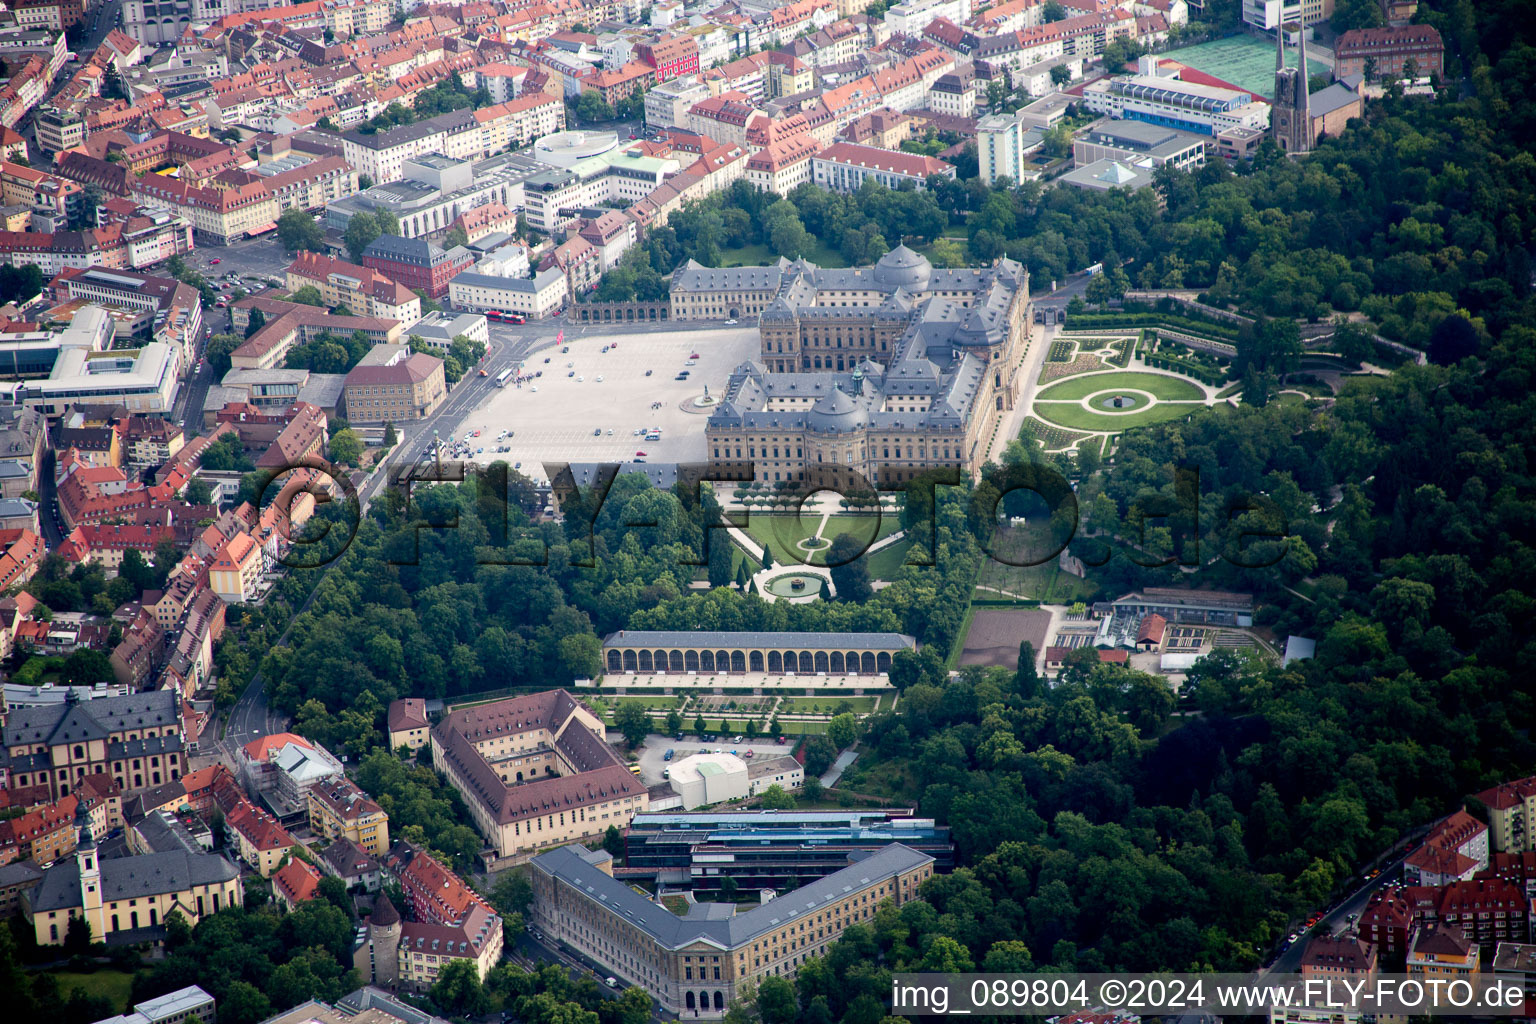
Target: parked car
[[668, 755]]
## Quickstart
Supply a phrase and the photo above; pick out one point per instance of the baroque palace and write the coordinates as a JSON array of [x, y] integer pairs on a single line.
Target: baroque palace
[[885, 370]]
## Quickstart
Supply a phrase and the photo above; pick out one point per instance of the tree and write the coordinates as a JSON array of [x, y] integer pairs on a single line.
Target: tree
[[819, 755], [842, 730], [346, 447], [1350, 14], [1453, 339], [728, 889], [776, 1001], [1060, 75], [674, 722], [309, 295], [613, 841], [700, 726], [720, 552], [391, 437], [512, 893], [361, 231], [1053, 11], [334, 891], [849, 570], [1026, 680], [590, 106], [77, 937], [458, 990], [776, 799], [767, 556], [633, 721], [198, 492], [297, 231], [775, 729], [255, 322], [456, 235]]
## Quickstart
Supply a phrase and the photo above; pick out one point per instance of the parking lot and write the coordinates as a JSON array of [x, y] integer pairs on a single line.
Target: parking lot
[[656, 747], [262, 256], [554, 417]]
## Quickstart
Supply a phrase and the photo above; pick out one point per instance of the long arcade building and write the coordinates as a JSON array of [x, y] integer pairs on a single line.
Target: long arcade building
[[886, 370], [680, 651], [695, 965]]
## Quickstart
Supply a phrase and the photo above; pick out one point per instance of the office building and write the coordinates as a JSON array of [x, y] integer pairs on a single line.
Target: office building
[[535, 771], [770, 849], [392, 384], [695, 965]]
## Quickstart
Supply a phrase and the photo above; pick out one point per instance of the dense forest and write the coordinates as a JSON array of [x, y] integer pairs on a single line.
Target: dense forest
[[1100, 824]]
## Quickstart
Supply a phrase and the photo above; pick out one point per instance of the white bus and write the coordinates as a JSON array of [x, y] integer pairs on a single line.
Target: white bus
[[503, 377]]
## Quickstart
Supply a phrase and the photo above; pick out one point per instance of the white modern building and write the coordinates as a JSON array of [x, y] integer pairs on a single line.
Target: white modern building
[[910, 17], [143, 380], [440, 328], [536, 297], [1267, 15], [1003, 144], [1165, 100], [568, 148], [667, 105], [705, 779]]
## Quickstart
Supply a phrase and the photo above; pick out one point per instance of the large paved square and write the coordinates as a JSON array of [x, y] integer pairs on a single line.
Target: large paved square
[[553, 417]]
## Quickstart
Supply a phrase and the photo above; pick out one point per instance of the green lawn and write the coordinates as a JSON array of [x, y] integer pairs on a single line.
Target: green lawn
[[1070, 414], [1168, 388], [886, 563], [762, 256], [658, 705], [824, 705], [781, 532], [1044, 583], [792, 728], [115, 986]]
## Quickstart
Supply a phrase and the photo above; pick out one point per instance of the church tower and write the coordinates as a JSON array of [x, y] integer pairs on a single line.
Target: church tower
[[89, 863], [1290, 118]]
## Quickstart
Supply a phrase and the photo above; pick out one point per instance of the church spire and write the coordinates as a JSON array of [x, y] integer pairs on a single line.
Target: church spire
[[1280, 47], [1303, 83]]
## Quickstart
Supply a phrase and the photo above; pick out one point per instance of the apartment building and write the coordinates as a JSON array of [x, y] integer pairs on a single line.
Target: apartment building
[[537, 297], [338, 809], [1268, 15], [1385, 52], [845, 166], [695, 965], [408, 724], [1455, 850], [218, 215], [361, 289], [293, 323], [1512, 815], [235, 574]]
